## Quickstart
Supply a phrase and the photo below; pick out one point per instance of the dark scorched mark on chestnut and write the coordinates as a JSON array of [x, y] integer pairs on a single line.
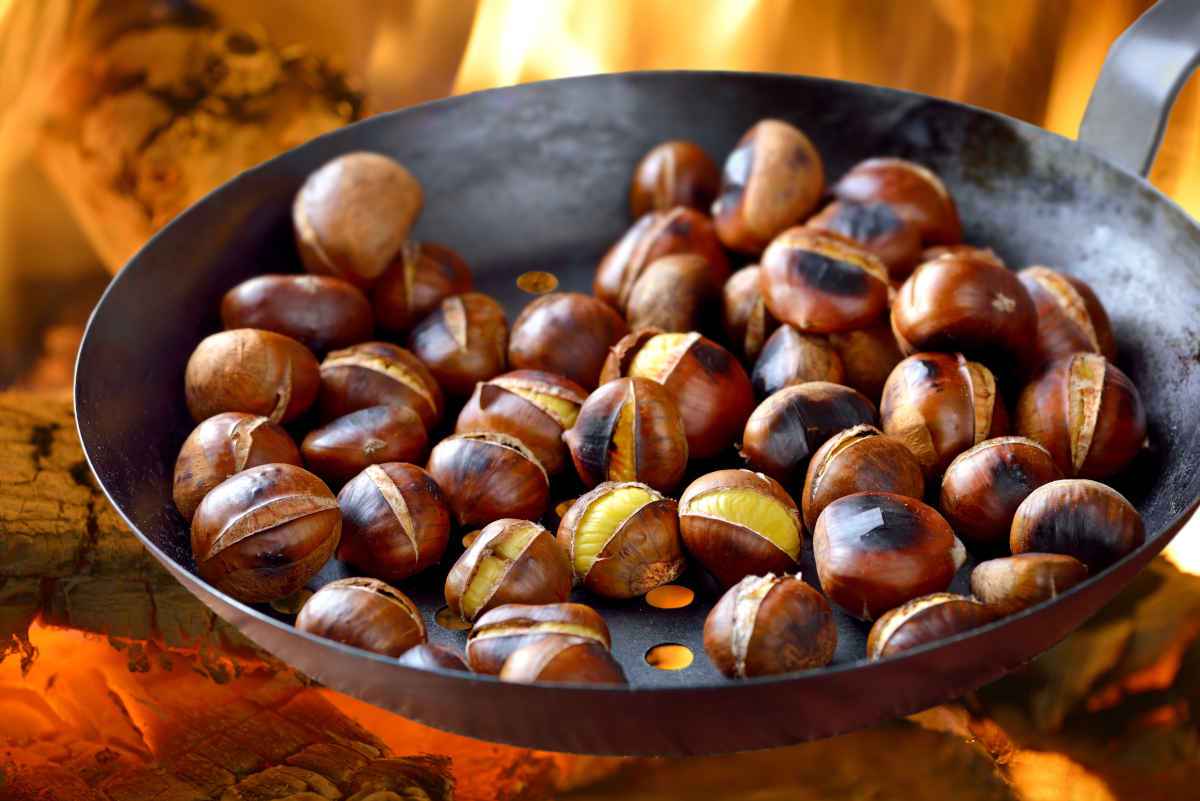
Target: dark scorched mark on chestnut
[[865, 221], [714, 360], [879, 525], [1009, 479], [823, 274]]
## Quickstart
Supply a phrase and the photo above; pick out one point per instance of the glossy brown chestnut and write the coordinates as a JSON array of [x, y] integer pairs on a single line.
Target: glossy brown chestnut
[[251, 371], [858, 459], [676, 293], [709, 386], [739, 523], [1070, 318], [868, 357], [462, 342], [353, 214], [765, 625], [375, 374], [497, 634], [531, 405], [1014, 583], [788, 427], [319, 311], [261, 534], [364, 613], [347, 445], [427, 656], [565, 333], [395, 521], [821, 283], [510, 562], [924, 620], [965, 251], [789, 358], [420, 277], [877, 550], [673, 173], [985, 484], [940, 404], [744, 316], [629, 430], [1087, 413], [486, 476], [221, 446], [574, 660], [1077, 517], [773, 179], [878, 229], [622, 540], [913, 192]]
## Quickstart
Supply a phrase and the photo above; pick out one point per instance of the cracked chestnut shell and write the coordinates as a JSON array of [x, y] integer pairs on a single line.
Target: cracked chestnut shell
[[486, 476], [566, 333], [251, 371], [1017, 582], [868, 357], [375, 374], [673, 173], [318, 311], [1077, 517], [463, 341], [1070, 318], [622, 540], [790, 357], [395, 521], [765, 625], [428, 656], [744, 315], [924, 620], [676, 293], [347, 445], [498, 633], [364, 613], [914, 192], [878, 229], [858, 459], [419, 278], [573, 660]]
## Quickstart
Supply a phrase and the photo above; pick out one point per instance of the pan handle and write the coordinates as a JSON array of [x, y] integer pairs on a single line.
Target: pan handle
[[1142, 75]]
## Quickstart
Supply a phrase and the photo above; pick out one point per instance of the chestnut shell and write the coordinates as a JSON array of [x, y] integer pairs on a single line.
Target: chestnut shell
[[420, 277], [252, 371], [924, 620], [790, 357], [321, 312], [673, 173], [377, 373], [487, 476], [1013, 583], [365, 613], [505, 629], [347, 445], [463, 341], [573, 660], [1077, 517], [858, 459], [1070, 318], [912, 190], [566, 333]]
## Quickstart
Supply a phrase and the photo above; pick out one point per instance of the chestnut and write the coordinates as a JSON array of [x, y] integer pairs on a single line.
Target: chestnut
[[789, 426], [939, 405], [221, 446], [344, 447], [510, 562], [821, 283], [985, 484], [565, 333], [503, 630], [353, 214], [629, 430], [486, 475], [1070, 318], [673, 173], [709, 385], [374, 374], [261, 534], [531, 405], [364, 613], [395, 521], [773, 179], [1018, 582], [913, 192], [858, 459], [575, 660], [676, 293], [969, 251], [924, 620], [877, 550], [463, 341], [769, 624], [790, 357], [427, 656], [739, 523], [1087, 413], [251, 371], [878, 229], [319, 311], [744, 316], [868, 357], [419, 278], [1077, 517], [622, 539]]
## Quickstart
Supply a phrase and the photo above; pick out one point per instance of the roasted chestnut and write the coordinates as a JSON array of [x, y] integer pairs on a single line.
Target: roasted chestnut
[[769, 624], [510, 562], [374, 374], [877, 550], [966, 251], [673, 173], [576, 660], [319, 311], [790, 357], [708, 384], [739, 523], [924, 620], [501, 631], [629, 430], [565, 333], [822, 283], [1014, 583], [221, 446], [675, 293], [261, 534], [251, 371], [876, 227], [427, 656], [395, 521], [985, 484], [345, 446], [622, 540], [486, 475], [353, 214], [420, 277], [744, 316], [868, 357], [1087, 413], [533, 406], [1077, 517], [365, 613], [913, 192], [1070, 318], [940, 404], [788, 427], [858, 459], [462, 342], [773, 179]]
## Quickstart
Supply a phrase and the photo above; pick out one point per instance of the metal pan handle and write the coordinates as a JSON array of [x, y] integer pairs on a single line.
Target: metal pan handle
[[1142, 75]]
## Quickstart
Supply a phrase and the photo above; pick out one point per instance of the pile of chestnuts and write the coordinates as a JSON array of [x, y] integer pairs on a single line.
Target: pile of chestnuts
[[767, 364]]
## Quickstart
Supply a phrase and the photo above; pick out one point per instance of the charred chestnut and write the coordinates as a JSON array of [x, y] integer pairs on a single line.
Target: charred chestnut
[[789, 358], [1070, 318], [676, 293], [858, 459], [913, 192], [925, 620], [576, 660], [319, 311], [251, 371], [1077, 517], [486, 476], [1014, 583], [878, 229], [868, 356], [744, 316], [347, 445], [462, 342], [674, 173], [375, 374], [497, 634], [420, 277], [365, 613], [565, 333], [427, 656]]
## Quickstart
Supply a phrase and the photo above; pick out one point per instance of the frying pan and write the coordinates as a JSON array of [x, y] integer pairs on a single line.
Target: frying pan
[[535, 177]]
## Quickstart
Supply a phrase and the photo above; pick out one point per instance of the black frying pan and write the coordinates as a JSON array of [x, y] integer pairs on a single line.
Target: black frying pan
[[535, 177]]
